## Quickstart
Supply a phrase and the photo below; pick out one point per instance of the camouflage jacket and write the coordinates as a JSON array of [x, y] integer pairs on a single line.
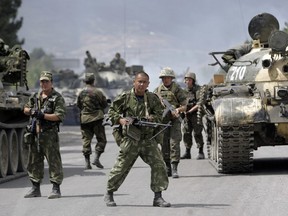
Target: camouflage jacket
[[193, 95], [128, 104], [175, 95], [92, 102], [53, 104]]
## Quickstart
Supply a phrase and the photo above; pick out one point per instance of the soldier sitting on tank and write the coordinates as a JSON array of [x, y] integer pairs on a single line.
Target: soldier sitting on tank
[[236, 52], [91, 65], [118, 63]]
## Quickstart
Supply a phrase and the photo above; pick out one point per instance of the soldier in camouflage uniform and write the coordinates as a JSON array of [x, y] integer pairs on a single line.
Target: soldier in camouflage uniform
[[190, 124], [138, 102], [176, 96], [92, 102], [48, 108], [118, 63]]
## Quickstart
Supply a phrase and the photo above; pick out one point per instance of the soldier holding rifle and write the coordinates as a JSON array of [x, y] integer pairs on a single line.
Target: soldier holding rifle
[[44, 140], [174, 100], [137, 140]]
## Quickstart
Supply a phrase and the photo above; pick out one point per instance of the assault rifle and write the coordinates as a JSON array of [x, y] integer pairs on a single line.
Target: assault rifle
[[145, 123], [137, 122], [38, 129], [36, 126], [169, 107], [140, 122]]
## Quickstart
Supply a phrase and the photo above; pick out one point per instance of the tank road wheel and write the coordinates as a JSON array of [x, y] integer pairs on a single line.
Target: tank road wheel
[[23, 151], [4, 153], [13, 151]]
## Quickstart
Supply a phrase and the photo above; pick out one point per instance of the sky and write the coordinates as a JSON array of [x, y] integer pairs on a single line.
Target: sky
[[153, 33]]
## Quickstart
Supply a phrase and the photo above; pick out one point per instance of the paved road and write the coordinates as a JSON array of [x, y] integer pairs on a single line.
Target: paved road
[[200, 190]]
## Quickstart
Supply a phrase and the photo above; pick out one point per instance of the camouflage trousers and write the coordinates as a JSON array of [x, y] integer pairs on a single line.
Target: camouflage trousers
[[171, 142], [190, 129], [49, 149], [88, 131], [129, 152]]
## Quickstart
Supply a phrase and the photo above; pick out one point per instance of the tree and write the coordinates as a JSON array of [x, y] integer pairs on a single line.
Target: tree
[[9, 24], [38, 62]]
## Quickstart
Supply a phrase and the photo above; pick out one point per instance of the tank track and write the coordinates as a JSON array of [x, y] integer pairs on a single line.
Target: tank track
[[235, 150]]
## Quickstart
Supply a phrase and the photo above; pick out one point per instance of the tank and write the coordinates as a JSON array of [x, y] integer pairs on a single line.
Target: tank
[[245, 106], [14, 93], [67, 83], [109, 80], [112, 81]]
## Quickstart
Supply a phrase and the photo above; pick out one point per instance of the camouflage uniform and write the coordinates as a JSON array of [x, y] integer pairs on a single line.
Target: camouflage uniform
[[92, 103], [176, 96], [49, 139], [190, 124], [127, 104], [118, 63]]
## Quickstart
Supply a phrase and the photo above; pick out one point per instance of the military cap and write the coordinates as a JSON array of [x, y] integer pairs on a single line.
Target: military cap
[[46, 75]]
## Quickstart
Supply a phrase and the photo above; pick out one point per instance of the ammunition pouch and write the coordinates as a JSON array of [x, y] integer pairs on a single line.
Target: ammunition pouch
[[117, 133], [132, 131]]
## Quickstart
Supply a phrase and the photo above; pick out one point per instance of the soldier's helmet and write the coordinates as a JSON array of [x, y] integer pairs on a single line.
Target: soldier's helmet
[[89, 77], [167, 72], [190, 74]]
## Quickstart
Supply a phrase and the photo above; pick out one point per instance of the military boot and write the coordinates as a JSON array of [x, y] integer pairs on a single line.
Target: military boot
[[187, 154], [87, 162], [159, 201], [109, 200], [174, 170], [96, 161], [200, 154], [34, 191], [55, 193], [168, 168]]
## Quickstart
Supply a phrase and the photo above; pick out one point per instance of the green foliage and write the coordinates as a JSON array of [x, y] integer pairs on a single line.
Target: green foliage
[[38, 62], [9, 24]]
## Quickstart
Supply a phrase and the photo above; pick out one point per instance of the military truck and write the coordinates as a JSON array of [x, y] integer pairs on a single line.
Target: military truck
[[13, 95], [245, 106]]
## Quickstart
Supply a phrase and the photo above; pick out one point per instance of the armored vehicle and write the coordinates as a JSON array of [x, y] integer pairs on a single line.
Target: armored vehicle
[[246, 105], [67, 82], [13, 95], [112, 81]]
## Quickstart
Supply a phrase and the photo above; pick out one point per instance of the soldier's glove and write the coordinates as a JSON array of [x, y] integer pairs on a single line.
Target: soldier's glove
[[40, 115], [37, 114]]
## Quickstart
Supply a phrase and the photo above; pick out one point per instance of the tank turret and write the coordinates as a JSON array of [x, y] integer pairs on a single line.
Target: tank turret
[[13, 96]]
